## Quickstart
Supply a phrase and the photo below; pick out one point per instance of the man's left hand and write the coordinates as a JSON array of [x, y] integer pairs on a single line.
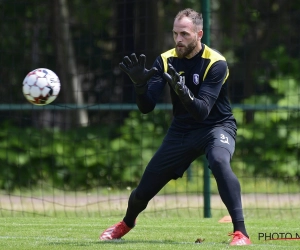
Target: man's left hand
[[173, 78]]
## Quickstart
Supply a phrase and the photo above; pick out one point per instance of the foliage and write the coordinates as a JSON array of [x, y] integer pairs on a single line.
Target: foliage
[[264, 72], [269, 145], [81, 158]]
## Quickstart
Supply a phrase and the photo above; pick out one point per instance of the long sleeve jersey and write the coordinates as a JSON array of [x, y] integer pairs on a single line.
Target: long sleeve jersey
[[206, 77]]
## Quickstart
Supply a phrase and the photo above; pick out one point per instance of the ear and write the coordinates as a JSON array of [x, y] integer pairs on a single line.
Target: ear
[[200, 34]]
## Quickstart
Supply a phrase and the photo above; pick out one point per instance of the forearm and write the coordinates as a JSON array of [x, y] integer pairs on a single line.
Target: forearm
[[145, 103], [198, 108]]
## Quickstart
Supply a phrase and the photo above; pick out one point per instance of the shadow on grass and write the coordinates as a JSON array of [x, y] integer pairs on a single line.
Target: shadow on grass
[[124, 242]]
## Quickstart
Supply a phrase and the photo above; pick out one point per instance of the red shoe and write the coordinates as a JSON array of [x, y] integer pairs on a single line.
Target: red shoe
[[238, 239], [115, 232]]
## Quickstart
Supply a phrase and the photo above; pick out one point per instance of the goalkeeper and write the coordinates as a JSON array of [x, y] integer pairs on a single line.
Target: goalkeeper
[[203, 122]]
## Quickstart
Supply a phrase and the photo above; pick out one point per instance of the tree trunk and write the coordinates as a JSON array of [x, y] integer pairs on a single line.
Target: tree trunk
[[71, 86]]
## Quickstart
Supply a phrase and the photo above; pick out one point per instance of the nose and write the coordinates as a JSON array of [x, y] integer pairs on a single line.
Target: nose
[[178, 38]]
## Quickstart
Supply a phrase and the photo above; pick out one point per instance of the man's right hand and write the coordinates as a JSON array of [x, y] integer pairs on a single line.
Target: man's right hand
[[137, 72]]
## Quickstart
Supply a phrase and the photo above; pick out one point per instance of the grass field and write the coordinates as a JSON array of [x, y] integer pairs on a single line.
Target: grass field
[[151, 232], [54, 219]]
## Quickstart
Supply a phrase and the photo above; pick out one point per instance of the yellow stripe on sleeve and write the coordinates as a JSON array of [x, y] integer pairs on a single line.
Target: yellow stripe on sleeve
[[213, 56]]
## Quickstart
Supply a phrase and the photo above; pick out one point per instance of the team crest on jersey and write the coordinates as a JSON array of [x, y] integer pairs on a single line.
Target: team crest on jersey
[[196, 79]]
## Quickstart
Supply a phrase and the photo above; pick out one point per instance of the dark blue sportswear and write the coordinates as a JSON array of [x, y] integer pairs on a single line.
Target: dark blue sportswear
[[204, 127], [206, 77]]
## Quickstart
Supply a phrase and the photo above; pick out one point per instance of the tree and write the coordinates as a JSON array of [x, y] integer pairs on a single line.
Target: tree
[[65, 57]]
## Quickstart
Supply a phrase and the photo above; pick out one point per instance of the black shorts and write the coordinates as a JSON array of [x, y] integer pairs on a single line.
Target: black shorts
[[179, 150]]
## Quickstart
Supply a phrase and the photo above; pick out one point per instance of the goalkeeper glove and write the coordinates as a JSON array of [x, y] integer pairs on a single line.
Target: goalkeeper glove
[[137, 72], [173, 78]]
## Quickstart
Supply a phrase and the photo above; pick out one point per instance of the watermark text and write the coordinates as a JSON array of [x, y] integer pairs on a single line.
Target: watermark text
[[279, 236]]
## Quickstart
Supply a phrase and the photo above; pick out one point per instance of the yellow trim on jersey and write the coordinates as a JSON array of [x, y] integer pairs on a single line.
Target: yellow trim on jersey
[[213, 56], [166, 55], [208, 53]]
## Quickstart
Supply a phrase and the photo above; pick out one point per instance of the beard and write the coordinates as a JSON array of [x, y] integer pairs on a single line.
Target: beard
[[186, 50]]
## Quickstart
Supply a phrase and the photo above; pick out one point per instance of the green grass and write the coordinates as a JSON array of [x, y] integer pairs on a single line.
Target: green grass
[[172, 222], [151, 232]]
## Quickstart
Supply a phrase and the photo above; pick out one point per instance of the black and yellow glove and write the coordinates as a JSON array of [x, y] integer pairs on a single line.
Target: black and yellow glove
[[137, 72], [173, 78]]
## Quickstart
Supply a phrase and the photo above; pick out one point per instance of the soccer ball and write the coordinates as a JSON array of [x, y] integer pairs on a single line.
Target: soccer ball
[[41, 86]]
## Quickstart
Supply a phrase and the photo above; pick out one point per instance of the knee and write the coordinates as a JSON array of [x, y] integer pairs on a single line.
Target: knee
[[218, 162]]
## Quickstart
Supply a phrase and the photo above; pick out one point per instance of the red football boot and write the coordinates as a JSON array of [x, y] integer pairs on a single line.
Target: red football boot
[[238, 239], [115, 232]]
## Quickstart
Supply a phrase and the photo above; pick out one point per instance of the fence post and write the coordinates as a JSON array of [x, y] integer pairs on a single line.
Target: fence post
[[205, 6]]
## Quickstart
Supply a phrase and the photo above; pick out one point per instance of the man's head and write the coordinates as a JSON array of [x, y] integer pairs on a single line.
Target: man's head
[[187, 33]]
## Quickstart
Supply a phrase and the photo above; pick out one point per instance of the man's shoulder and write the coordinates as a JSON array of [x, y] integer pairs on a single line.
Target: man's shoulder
[[169, 53], [165, 56], [212, 54]]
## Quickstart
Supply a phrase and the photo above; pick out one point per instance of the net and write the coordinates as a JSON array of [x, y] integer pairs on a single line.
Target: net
[[84, 153]]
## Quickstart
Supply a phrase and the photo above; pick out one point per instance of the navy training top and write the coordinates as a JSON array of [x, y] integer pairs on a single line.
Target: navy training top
[[206, 77]]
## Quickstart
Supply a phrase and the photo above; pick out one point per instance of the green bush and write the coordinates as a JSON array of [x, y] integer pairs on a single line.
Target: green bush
[[80, 158], [112, 156]]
